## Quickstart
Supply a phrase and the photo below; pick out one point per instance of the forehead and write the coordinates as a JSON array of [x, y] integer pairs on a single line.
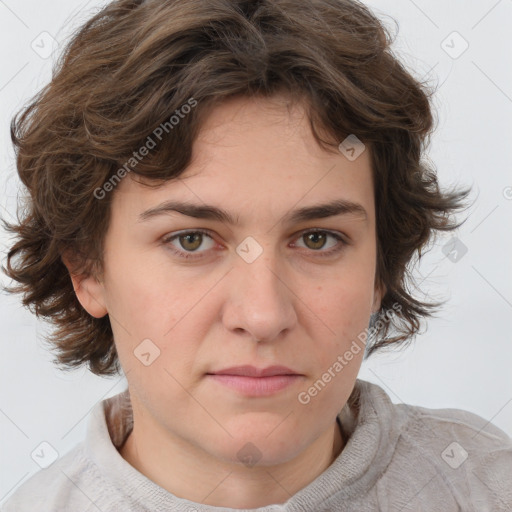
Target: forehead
[[259, 156], [266, 129]]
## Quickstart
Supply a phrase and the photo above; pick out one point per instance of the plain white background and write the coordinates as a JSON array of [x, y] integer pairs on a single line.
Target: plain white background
[[462, 361]]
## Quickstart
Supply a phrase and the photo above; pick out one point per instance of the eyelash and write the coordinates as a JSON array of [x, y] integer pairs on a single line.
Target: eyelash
[[192, 255]]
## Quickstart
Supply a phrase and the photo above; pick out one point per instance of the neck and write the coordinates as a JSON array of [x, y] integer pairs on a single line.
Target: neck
[[192, 474]]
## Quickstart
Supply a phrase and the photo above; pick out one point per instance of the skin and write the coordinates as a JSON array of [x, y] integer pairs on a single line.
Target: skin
[[257, 159]]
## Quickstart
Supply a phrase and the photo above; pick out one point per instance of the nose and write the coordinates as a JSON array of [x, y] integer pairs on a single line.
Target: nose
[[260, 302]]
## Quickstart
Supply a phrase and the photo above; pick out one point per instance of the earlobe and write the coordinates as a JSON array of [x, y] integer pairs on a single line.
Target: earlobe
[[378, 296], [89, 292]]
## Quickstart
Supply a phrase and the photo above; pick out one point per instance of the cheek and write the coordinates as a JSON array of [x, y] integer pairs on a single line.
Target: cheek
[[343, 305], [141, 290], [347, 296], [173, 313]]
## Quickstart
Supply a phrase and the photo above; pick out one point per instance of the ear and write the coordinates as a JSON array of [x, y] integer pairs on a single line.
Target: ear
[[379, 292], [88, 289]]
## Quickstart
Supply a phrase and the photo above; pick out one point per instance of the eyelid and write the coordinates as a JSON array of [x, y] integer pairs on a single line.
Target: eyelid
[[341, 237], [180, 253]]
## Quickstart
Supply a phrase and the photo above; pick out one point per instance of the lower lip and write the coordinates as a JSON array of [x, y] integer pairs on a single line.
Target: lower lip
[[256, 386]]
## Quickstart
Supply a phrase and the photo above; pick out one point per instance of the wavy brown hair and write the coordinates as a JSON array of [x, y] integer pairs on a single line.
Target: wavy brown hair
[[133, 64]]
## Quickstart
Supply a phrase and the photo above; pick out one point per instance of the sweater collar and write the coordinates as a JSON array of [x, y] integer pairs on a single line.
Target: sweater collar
[[369, 420]]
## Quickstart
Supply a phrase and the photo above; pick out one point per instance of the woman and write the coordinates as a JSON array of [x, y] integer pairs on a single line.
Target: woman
[[223, 195]]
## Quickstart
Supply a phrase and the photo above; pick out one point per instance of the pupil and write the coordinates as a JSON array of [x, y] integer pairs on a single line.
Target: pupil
[[318, 239], [190, 239]]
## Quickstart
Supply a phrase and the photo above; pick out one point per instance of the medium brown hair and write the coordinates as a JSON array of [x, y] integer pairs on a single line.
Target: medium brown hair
[[133, 64]]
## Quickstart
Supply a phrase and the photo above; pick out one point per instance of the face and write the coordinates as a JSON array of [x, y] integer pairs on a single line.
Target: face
[[264, 287]]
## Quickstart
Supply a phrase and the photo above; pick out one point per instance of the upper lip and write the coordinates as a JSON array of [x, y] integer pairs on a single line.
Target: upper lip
[[252, 371]]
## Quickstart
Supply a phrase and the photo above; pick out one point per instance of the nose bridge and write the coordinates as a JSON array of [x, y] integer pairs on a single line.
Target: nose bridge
[[260, 301]]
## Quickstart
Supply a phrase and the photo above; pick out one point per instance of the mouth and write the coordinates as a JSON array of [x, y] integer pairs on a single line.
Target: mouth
[[252, 371], [251, 381]]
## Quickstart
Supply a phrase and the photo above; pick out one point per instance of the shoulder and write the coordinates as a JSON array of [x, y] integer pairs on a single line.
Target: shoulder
[[54, 487], [476, 435], [90, 475], [470, 455], [435, 459]]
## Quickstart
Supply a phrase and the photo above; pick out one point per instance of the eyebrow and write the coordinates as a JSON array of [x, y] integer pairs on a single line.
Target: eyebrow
[[210, 212]]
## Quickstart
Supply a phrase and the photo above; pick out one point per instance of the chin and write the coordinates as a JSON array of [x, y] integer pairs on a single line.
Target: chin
[[258, 448]]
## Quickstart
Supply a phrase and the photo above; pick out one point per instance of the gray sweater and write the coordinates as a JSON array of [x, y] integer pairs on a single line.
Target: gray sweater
[[397, 458]]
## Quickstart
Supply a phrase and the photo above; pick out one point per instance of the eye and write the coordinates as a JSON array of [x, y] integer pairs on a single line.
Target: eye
[[186, 243], [317, 240]]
